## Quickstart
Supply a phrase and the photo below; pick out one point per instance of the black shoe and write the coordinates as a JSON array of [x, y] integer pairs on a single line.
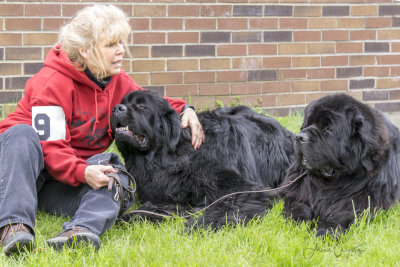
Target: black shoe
[[73, 237], [16, 238]]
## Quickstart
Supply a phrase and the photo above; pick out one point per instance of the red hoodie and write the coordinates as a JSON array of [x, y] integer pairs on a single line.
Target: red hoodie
[[59, 96]]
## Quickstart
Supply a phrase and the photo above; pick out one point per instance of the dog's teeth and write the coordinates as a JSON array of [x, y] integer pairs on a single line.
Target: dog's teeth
[[126, 128]]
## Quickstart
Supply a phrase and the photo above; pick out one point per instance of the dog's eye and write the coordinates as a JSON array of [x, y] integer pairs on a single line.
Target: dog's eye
[[141, 106], [328, 129]]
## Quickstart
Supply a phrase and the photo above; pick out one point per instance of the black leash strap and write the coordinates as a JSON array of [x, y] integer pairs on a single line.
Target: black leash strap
[[224, 197], [120, 188]]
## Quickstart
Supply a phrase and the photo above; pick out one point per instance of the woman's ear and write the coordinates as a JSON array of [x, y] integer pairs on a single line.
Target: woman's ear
[[83, 52]]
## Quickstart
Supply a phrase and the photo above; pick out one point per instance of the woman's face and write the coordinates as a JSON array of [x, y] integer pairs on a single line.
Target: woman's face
[[113, 55]]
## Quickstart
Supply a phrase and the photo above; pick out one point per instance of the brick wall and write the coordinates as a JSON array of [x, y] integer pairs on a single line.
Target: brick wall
[[277, 54]]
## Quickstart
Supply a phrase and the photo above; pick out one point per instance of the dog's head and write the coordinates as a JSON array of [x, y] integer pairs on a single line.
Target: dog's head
[[144, 121], [341, 137]]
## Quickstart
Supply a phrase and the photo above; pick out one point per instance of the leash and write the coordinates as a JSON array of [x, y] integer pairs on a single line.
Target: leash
[[224, 197], [120, 188]]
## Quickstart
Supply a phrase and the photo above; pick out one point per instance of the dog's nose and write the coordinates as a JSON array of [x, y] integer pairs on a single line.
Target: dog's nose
[[302, 138], [119, 108]]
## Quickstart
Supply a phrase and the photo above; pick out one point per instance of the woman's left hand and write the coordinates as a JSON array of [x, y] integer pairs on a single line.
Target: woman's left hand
[[189, 118]]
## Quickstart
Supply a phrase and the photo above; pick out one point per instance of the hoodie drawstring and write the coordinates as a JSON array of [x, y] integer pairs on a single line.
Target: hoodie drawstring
[[97, 116], [109, 115]]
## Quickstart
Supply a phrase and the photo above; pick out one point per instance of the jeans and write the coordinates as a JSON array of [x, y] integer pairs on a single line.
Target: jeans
[[25, 187]]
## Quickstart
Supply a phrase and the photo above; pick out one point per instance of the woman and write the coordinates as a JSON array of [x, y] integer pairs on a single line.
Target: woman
[[51, 145]]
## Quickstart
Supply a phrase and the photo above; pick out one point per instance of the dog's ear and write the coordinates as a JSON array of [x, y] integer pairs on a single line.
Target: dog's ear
[[373, 134], [172, 129]]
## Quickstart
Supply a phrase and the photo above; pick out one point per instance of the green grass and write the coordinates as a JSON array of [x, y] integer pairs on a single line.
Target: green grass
[[268, 241]]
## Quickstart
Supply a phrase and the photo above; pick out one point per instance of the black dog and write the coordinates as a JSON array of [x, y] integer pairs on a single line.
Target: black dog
[[243, 151], [351, 155]]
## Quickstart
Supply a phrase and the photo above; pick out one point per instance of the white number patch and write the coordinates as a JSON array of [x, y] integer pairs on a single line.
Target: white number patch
[[49, 122]]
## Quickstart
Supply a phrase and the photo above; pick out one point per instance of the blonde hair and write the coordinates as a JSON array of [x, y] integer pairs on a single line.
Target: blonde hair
[[91, 28]]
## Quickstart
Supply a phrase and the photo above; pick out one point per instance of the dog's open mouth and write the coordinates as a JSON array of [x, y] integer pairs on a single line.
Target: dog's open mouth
[[327, 172], [140, 139]]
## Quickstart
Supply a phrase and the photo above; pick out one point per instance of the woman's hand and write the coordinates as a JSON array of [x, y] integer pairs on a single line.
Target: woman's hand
[[189, 118], [95, 175]]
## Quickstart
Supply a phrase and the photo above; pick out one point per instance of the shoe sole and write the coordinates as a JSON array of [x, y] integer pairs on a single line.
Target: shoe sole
[[20, 242], [59, 243]]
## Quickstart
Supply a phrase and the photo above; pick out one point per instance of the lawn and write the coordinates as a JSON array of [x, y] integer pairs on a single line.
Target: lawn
[[267, 241]]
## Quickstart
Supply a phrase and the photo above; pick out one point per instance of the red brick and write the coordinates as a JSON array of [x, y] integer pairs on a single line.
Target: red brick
[[183, 10], [277, 62], [321, 48], [214, 89], [200, 24], [302, 36], [149, 11], [323, 73], [141, 78], [147, 65], [247, 63], [362, 35], [10, 69], [381, 22], [395, 71], [334, 85], [70, 10], [167, 24], [231, 50], [263, 23], [292, 23], [166, 78], [376, 71], [182, 64], [364, 10], [263, 49], [231, 76], [335, 35], [246, 88], [199, 77], [23, 24], [181, 90], [388, 59], [350, 23], [305, 86], [395, 46], [215, 63], [11, 9], [322, 23], [387, 83], [261, 101], [349, 47], [388, 34], [50, 24], [232, 23], [183, 37], [291, 99], [149, 38], [288, 74], [276, 87], [139, 51], [334, 61], [42, 10], [139, 23], [216, 10], [292, 48], [10, 39], [40, 38], [362, 60], [306, 62]]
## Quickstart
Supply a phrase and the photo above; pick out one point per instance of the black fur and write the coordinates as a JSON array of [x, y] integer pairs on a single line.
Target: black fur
[[351, 153], [242, 151]]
